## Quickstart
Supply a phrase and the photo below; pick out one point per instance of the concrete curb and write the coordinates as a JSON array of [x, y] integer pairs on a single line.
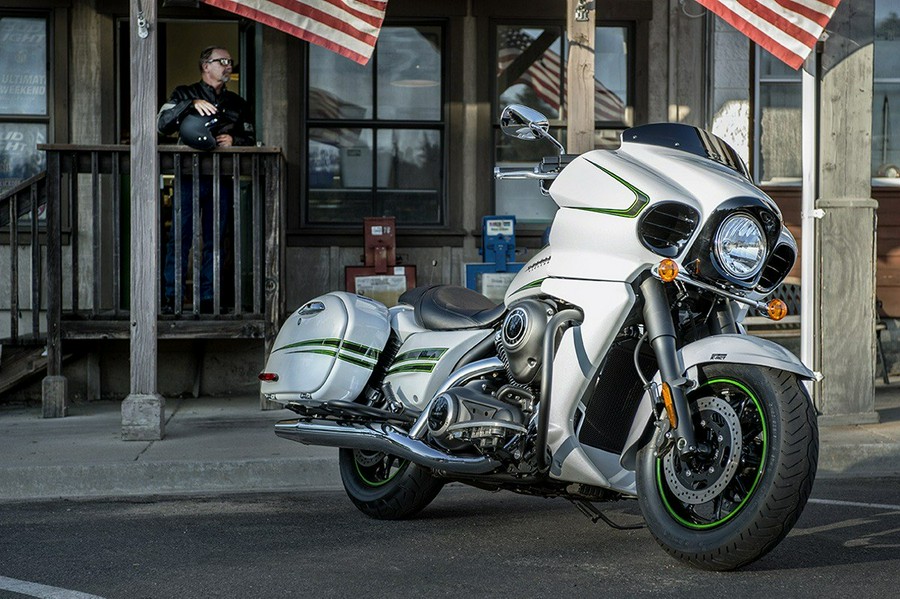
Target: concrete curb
[[169, 478]]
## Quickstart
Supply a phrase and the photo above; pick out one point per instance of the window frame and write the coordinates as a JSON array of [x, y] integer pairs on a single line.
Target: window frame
[[881, 182], [48, 119], [558, 126], [442, 126]]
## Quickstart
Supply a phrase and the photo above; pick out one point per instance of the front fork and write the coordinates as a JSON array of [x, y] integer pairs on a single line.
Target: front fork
[[662, 336]]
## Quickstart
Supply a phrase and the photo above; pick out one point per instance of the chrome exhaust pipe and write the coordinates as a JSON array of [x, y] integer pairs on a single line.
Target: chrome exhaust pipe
[[382, 437]]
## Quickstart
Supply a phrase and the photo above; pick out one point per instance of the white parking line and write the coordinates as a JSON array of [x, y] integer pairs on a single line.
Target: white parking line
[[876, 506], [42, 591]]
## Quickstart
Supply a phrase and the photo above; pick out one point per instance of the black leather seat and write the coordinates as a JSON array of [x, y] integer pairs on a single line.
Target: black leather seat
[[448, 308]]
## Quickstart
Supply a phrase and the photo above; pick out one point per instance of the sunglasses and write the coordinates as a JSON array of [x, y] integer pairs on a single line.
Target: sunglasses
[[225, 62]]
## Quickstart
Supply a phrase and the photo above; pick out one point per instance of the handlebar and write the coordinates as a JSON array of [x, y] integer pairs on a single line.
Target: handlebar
[[511, 172]]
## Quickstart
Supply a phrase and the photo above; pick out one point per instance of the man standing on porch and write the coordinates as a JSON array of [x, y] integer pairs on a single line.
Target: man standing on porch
[[230, 122]]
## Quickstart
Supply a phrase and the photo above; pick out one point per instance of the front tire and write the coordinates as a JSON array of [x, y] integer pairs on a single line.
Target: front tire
[[385, 487], [730, 508]]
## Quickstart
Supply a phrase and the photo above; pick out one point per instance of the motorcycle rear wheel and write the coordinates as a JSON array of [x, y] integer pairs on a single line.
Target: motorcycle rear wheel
[[385, 487], [732, 507]]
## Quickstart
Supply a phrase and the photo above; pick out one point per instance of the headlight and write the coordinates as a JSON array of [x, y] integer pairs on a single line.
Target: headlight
[[740, 246]]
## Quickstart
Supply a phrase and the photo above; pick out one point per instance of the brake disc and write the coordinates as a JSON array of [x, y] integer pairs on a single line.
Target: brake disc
[[721, 425], [367, 459]]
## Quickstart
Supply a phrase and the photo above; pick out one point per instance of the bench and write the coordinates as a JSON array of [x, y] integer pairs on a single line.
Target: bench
[[789, 326]]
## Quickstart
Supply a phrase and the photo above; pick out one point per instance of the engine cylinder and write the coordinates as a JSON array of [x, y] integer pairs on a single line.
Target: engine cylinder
[[523, 339]]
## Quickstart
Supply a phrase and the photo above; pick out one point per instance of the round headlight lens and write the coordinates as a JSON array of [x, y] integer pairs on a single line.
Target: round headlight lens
[[740, 246]]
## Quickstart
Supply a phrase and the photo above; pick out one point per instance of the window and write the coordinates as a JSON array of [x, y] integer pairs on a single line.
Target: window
[[531, 70], [886, 94], [778, 122], [376, 132], [778, 109], [24, 97]]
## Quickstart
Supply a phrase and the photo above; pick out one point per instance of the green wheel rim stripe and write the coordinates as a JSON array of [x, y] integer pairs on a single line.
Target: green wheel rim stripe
[[759, 473], [400, 468]]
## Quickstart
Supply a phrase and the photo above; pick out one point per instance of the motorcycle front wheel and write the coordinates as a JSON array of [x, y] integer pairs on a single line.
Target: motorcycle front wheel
[[385, 487], [733, 503]]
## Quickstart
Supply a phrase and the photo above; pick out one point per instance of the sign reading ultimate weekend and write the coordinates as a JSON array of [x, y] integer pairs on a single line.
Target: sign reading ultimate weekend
[[23, 66]]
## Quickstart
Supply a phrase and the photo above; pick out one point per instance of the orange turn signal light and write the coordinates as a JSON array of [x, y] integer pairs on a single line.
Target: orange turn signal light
[[776, 309], [668, 270], [670, 406]]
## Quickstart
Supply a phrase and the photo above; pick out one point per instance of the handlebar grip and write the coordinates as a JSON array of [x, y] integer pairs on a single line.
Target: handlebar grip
[[511, 172]]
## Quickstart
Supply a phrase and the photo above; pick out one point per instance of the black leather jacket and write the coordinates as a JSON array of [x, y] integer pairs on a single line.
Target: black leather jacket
[[234, 112]]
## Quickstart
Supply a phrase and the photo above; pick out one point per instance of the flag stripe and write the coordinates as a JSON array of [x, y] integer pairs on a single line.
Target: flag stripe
[[767, 30], [293, 12], [348, 27], [788, 29], [779, 23]]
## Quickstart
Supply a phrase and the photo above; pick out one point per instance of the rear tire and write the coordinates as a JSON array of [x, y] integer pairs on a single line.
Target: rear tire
[[385, 487], [726, 511]]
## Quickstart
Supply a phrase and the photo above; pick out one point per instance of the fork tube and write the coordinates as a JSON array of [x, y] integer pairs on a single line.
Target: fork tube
[[661, 331]]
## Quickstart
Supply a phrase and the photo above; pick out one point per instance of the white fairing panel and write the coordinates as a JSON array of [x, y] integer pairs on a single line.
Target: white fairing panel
[[527, 281], [426, 360], [605, 306], [602, 195], [330, 354]]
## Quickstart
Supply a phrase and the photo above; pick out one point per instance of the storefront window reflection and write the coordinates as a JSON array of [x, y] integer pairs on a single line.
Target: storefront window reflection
[[375, 134], [23, 98], [886, 94], [531, 70]]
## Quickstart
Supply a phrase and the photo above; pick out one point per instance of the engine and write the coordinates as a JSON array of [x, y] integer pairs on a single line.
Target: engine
[[522, 340], [487, 417]]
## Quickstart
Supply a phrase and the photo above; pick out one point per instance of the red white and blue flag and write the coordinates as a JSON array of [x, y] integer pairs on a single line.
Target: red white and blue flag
[[788, 29], [348, 27]]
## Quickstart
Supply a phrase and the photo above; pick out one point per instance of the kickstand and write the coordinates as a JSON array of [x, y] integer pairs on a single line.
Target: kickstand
[[591, 511]]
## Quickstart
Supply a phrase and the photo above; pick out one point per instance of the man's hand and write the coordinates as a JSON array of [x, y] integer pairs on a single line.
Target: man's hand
[[204, 107], [224, 140]]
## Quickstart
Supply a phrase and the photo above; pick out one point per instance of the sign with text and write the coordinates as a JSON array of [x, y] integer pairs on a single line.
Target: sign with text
[[23, 66]]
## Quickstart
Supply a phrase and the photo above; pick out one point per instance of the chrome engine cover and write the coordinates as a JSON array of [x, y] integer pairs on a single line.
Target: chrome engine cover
[[464, 416]]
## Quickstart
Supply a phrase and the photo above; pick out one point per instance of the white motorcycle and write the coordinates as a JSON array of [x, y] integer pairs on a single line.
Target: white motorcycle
[[616, 367]]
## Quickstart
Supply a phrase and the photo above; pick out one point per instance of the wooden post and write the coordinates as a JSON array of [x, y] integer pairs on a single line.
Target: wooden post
[[274, 295], [54, 391], [143, 410], [580, 76], [846, 231]]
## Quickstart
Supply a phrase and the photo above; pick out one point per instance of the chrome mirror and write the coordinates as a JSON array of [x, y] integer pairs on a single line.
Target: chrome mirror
[[522, 122], [526, 123]]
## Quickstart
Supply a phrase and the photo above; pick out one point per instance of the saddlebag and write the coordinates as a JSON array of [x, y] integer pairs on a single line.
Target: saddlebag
[[326, 350]]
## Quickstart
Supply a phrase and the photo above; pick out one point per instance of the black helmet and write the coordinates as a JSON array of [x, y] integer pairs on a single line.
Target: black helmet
[[196, 131]]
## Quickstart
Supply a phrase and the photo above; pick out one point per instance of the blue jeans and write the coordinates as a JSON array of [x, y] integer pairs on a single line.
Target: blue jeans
[[226, 197]]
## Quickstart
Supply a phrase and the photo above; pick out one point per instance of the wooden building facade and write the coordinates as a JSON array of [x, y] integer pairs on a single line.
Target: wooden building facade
[[414, 134]]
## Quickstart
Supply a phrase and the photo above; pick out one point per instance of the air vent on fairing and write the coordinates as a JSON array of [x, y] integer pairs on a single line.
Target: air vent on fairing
[[777, 268], [666, 228]]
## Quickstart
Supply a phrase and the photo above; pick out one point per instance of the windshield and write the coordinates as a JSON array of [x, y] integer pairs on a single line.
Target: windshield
[[688, 139]]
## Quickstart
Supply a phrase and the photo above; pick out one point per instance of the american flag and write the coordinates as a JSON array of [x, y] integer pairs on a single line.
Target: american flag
[[788, 29], [544, 77], [348, 27]]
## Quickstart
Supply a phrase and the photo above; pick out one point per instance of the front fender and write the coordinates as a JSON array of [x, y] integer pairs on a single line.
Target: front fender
[[733, 349]]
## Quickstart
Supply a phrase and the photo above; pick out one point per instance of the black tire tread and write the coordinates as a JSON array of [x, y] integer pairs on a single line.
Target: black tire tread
[[403, 497], [787, 493]]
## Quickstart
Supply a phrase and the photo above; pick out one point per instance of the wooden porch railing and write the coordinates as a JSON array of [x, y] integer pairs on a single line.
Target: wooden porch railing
[[86, 191], [20, 209]]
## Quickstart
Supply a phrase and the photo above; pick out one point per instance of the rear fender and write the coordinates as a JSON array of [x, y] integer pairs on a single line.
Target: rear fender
[[733, 349]]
